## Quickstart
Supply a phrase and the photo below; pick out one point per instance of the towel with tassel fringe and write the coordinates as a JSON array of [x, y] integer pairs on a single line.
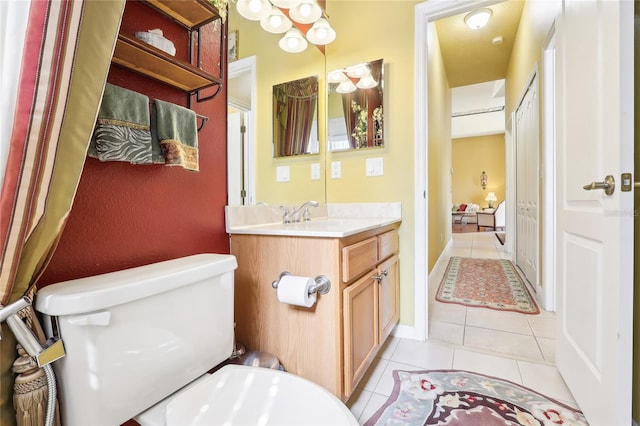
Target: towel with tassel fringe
[[122, 131], [177, 132]]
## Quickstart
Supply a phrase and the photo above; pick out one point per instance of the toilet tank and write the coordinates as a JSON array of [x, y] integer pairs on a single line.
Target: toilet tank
[[135, 336]]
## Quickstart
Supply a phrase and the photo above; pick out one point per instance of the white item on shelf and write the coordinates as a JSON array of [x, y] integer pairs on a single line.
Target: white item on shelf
[[156, 38]]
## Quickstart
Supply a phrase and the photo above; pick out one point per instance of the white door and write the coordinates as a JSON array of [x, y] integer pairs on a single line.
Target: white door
[[527, 146], [595, 230], [236, 192]]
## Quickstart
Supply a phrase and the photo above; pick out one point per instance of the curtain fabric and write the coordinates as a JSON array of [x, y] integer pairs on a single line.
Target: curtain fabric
[[68, 49], [295, 105]]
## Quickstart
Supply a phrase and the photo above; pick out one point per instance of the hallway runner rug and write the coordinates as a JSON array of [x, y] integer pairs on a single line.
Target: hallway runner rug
[[459, 397], [487, 283]]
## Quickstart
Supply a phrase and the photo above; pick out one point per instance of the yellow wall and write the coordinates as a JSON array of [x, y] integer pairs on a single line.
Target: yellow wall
[[395, 45], [439, 150], [274, 66], [471, 156]]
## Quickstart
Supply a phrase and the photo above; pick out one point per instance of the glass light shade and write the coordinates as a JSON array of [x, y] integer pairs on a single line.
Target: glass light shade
[[346, 86], [321, 32], [305, 11], [478, 18], [285, 4], [358, 71], [292, 41], [367, 82], [254, 10], [276, 22], [336, 76]]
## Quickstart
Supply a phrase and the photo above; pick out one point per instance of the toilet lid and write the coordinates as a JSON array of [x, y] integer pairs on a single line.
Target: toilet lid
[[244, 395]]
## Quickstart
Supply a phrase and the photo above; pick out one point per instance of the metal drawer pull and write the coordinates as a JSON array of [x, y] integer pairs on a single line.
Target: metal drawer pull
[[381, 276]]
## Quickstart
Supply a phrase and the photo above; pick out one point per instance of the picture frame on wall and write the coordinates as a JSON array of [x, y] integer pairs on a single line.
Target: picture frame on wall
[[232, 50]]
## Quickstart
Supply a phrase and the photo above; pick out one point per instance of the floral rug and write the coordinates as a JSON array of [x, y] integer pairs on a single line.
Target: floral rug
[[458, 397], [487, 283]]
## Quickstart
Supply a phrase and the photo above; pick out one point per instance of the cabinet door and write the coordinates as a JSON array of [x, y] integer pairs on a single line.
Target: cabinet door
[[389, 296], [361, 340]]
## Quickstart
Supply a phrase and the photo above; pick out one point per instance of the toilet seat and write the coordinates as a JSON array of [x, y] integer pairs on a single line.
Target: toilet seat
[[244, 395]]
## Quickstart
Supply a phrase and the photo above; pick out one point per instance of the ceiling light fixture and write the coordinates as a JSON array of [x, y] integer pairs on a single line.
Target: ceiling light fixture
[[366, 82], [305, 11], [293, 42], [346, 86], [478, 18]]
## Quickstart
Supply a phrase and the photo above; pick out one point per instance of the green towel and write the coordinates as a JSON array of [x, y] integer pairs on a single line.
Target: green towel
[[122, 130], [177, 131]]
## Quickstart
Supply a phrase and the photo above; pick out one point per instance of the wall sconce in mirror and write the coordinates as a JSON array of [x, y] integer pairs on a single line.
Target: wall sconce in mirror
[[295, 117], [483, 180], [355, 99]]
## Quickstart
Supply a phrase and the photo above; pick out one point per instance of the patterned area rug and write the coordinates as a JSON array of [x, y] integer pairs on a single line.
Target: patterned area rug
[[487, 283], [458, 397]]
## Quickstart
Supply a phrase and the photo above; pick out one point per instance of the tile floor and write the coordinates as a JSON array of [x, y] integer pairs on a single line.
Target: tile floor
[[509, 345]]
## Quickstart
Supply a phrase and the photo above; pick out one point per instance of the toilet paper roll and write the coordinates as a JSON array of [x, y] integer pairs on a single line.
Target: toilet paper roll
[[294, 290]]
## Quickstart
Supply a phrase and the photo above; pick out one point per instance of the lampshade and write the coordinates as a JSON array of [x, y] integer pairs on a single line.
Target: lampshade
[[254, 10], [293, 42], [336, 76], [276, 22], [367, 82], [491, 197], [357, 71], [346, 86], [305, 11], [478, 18], [321, 32]]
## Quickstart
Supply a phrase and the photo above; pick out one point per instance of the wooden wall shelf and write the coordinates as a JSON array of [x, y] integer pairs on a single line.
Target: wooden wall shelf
[[147, 60], [190, 14]]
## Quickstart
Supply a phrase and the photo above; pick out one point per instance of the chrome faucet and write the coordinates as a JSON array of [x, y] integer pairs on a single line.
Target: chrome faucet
[[304, 208]]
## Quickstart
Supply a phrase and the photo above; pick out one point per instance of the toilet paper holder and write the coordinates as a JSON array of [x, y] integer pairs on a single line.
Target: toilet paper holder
[[322, 283]]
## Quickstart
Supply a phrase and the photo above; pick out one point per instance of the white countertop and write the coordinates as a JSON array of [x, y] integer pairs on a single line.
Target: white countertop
[[327, 220], [327, 227]]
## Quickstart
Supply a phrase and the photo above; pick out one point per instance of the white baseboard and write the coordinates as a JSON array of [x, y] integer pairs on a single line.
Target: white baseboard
[[404, 332]]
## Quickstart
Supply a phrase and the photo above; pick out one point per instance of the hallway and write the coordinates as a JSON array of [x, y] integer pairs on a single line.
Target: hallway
[[512, 346]]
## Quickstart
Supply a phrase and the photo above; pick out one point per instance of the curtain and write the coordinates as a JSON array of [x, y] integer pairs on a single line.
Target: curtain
[[68, 49], [295, 105]]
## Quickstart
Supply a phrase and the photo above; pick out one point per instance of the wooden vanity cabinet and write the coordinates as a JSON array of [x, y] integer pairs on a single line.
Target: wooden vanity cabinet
[[335, 341]]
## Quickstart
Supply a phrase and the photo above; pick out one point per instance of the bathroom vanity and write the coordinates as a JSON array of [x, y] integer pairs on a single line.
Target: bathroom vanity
[[333, 342]]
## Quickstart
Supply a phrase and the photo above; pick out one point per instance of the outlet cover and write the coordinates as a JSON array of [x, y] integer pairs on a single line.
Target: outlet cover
[[282, 174]]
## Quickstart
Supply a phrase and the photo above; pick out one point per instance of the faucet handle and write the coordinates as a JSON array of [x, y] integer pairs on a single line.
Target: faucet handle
[[306, 216], [286, 216]]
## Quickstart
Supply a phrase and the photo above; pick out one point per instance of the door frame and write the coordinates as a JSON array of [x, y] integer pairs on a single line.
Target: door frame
[[236, 69], [426, 13]]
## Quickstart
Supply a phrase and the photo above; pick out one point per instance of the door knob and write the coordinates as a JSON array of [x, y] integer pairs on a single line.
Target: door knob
[[609, 185]]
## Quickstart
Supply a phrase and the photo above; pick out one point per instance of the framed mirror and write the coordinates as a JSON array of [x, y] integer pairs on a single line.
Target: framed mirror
[[354, 107], [295, 117]]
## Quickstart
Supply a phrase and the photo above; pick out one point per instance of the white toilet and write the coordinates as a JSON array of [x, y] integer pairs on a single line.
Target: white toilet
[[139, 343]]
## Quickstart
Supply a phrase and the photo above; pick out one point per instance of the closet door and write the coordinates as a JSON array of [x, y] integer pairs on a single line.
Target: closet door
[[527, 143]]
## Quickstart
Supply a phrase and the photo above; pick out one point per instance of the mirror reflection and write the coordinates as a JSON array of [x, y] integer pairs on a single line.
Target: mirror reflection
[[295, 117], [355, 116]]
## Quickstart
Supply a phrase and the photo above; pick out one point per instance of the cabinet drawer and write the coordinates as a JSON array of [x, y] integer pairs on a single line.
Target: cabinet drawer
[[359, 258], [388, 244]]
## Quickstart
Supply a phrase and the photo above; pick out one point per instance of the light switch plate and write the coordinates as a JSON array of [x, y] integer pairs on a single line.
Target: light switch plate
[[282, 174], [315, 171], [336, 169], [375, 166]]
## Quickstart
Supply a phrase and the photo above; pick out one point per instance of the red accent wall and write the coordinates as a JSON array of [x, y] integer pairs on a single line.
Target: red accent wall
[[130, 215]]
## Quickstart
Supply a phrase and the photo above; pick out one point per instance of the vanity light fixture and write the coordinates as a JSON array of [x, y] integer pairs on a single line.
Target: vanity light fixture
[[346, 86], [293, 42], [304, 11], [276, 22], [254, 10], [336, 76], [366, 82], [478, 18], [321, 32], [279, 16], [358, 71]]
